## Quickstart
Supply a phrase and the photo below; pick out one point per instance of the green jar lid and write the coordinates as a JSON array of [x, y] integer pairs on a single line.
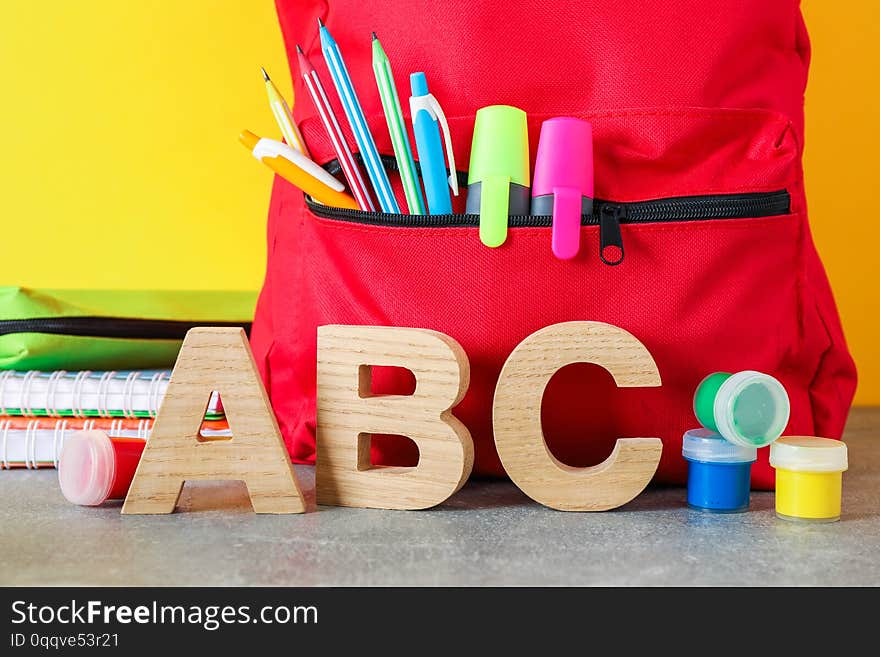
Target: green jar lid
[[704, 398]]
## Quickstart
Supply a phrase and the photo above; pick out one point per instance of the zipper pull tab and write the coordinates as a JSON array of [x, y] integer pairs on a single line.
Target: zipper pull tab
[[610, 239]]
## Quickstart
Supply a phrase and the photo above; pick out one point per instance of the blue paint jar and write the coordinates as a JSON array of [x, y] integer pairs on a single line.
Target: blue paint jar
[[719, 472]]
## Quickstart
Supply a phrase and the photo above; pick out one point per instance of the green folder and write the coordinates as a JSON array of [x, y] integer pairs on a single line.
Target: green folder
[[108, 329]]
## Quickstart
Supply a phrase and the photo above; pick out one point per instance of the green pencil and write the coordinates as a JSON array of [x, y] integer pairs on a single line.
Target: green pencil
[[397, 129]]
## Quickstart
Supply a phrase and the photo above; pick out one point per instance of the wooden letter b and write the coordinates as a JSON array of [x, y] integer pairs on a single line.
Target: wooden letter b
[[348, 413]]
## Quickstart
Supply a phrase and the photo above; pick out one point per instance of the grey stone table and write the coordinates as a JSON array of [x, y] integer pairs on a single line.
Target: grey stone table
[[487, 534]]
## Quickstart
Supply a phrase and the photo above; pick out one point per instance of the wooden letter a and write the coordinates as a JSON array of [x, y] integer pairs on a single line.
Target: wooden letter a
[[215, 359]]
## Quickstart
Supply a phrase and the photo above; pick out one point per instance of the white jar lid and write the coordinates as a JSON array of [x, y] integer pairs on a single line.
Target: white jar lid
[[87, 468], [808, 454], [710, 447], [751, 409]]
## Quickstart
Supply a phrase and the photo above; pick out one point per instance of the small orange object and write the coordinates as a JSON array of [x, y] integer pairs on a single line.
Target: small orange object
[[286, 162]]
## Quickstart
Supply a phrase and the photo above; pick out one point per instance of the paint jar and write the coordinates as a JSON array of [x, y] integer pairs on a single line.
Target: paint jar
[[719, 472], [809, 477], [94, 468], [748, 408]]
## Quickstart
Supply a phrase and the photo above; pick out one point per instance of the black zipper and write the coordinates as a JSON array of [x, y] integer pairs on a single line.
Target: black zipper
[[608, 215], [110, 327]]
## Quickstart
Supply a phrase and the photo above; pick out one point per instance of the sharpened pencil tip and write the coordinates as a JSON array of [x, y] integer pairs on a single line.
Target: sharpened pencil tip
[[320, 23], [265, 75], [299, 50], [375, 38]]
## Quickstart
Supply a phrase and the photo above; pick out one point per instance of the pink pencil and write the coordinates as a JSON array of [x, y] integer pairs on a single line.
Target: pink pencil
[[343, 152]]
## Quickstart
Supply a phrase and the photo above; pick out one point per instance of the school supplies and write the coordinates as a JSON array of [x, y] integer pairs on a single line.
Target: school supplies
[[740, 413], [678, 188], [809, 477], [719, 472], [498, 179], [129, 394], [428, 119], [747, 408], [45, 329], [298, 170], [283, 117], [397, 128], [358, 122], [343, 152], [563, 180], [94, 468]]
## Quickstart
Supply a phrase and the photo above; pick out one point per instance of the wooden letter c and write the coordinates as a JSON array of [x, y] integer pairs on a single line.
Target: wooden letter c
[[519, 437]]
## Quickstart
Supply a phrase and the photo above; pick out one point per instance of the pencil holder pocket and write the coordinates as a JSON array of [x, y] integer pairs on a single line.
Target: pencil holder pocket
[[712, 279]]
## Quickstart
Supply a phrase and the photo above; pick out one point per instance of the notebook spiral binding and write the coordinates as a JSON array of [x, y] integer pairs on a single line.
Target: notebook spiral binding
[[155, 394], [78, 382], [158, 381], [50, 394], [62, 430], [26, 386]]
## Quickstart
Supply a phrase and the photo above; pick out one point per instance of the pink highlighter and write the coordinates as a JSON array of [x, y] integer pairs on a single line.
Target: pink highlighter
[[563, 181]]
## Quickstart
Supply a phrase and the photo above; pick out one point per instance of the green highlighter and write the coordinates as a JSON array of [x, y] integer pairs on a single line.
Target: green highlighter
[[498, 179]]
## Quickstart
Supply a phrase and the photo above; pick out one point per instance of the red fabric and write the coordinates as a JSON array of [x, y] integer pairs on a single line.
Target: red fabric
[[686, 98]]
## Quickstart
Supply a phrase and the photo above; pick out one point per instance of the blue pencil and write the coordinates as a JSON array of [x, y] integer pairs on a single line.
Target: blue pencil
[[358, 123]]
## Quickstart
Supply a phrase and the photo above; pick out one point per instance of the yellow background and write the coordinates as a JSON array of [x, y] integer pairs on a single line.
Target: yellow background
[[120, 119]]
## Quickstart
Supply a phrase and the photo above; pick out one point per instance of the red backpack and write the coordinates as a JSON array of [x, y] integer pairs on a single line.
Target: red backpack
[[697, 114]]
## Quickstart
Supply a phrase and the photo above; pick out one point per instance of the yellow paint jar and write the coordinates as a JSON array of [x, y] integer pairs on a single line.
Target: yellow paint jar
[[809, 477]]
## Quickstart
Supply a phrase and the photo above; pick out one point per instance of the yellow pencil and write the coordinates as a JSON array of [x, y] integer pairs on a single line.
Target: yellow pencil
[[283, 117]]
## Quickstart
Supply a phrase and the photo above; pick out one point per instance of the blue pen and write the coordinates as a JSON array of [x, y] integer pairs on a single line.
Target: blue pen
[[428, 119], [358, 122]]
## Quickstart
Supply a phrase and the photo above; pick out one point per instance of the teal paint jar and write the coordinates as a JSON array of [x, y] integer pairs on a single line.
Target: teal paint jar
[[749, 408]]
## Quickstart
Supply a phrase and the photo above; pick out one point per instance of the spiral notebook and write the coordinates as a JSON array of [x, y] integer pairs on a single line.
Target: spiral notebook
[[127, 394], [36, 442]]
